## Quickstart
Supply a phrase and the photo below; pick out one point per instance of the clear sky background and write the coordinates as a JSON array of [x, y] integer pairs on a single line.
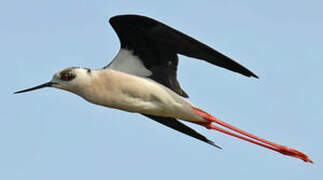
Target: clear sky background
[[51, 134]]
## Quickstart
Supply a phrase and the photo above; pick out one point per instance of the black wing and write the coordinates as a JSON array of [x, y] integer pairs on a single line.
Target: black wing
[[157, 46], [175, 124]]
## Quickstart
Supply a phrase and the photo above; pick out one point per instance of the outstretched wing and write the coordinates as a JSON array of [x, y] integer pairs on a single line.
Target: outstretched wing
[[153, 47], [175, 124]]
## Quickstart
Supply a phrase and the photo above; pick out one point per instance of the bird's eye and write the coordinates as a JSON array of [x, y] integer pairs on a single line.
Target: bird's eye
[[67, 76]]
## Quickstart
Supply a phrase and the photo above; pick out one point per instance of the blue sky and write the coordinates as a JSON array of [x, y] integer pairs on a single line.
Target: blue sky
[[52, 134]]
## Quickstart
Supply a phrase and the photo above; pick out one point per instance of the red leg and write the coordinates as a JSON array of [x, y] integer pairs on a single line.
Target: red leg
[[253, 139]]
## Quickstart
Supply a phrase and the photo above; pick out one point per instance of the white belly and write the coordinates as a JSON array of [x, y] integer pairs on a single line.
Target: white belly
[[123, 91]]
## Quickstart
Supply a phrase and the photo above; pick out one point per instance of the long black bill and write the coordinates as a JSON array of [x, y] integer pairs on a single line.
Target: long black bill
[[48, 84]]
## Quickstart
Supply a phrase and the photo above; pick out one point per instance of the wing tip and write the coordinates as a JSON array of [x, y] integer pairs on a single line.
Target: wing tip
[[246, 72], [213, 144], [253, 75]]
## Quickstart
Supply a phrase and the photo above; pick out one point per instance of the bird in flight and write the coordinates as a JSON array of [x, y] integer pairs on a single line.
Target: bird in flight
[[142, 78]]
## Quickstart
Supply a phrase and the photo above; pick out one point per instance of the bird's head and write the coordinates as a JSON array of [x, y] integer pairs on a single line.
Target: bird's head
[[70, 79]]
